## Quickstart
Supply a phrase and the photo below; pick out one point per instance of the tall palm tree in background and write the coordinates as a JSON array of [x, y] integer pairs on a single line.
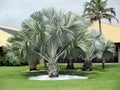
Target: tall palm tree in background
[[97, 9]]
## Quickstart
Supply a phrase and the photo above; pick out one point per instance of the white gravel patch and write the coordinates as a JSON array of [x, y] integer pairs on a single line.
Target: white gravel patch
[[61, 77]]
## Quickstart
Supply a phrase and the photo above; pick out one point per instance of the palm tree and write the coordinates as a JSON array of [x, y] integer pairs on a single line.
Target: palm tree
[[87, 53], [89, 48], [22, 43], [107, 51], [70, 55], [97, 9], [106, 48], [72, 51], [59, 31], [35, 39]]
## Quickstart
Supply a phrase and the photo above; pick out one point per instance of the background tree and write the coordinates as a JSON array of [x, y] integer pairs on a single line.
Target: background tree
[[106, 48], [87, 53], [12, 57], [71, 53], [22, 42], [93, 47], [107, 52], [97, 9]]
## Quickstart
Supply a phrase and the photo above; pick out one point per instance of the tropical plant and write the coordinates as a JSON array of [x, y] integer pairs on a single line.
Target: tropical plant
[[22, 44], [69, 55], [59, 30], [89, 48], [107, 52], [97, 9], [32, 40], [87, 53], [72, 51], [106, 48], [12, 57]]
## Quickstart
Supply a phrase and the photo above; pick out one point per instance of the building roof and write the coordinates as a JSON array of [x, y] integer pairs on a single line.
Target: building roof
[[5, 33], [109, 31]]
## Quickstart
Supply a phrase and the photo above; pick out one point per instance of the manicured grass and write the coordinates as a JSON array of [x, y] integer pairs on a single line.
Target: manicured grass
[[14, 78]]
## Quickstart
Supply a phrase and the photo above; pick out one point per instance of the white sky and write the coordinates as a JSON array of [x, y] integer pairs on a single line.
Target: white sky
[[13, 12]]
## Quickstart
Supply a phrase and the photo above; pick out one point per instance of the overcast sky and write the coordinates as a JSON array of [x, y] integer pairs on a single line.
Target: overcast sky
[[14, 12]]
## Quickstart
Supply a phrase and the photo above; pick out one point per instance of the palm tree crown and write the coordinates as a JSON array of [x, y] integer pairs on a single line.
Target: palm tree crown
[[97, 9]]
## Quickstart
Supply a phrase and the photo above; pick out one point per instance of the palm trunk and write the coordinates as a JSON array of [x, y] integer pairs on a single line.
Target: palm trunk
[[32, 66], [103, 64], [100, 27], [45, 64], [103, 61], [87, 66], [53, 69], [70, 64]]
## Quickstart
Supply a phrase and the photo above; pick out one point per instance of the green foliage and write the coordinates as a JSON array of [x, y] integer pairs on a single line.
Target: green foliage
[[50, 34], [52, 31], [11, 58], [47, 34], [98, 9], [96, 47], [7, 61], [108, 51], [2, 60]]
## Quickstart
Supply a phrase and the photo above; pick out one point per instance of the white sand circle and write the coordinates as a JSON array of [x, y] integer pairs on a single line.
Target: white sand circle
[[61, 77]]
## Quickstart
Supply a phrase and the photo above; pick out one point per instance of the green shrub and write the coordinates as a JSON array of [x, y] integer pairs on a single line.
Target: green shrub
[[11, 61], [11, 57], [2, 60]]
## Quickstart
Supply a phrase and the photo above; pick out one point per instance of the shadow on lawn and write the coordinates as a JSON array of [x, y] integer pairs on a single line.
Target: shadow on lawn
[[112, 65], [107, 66], [31, 74], [90, 75], [97, 69]]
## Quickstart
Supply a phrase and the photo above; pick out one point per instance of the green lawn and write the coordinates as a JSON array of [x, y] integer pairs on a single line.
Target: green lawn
[[14, 78]]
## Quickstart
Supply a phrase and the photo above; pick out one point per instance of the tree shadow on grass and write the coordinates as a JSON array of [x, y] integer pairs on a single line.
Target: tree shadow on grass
[[107, 67], [112, 65], [77, 71], [31, 74], [90, 74]]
